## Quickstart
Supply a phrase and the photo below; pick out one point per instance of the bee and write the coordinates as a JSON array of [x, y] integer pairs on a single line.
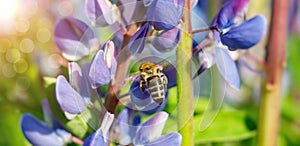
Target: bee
[[151, 76]]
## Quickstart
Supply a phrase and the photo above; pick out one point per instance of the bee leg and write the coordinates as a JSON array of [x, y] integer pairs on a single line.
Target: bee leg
[[142, 85], [165, 81]]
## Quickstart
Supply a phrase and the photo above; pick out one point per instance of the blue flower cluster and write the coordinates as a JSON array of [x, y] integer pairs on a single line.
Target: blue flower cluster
[[158, 23]]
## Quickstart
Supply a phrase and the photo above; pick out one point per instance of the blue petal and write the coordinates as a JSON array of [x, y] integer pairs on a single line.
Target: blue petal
[[96, 139], [37, 133], [143, 100], [99, 137], [137, 41], [165, 14], [170, 72], [151, 129], [172, 139], [154, 107], [109, 56], [74, 38], [122, 128], [167, 40], [101, 12], [227, 67], [99, 73], [79, 81], [245, 35], [230, 12], [68, 99]]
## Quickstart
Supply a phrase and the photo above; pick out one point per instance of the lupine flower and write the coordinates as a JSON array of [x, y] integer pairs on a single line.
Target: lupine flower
[[231, 13], [235, 33], [101, 12], [103, 66], [69, 100], [73, 96], [74, 38], [148, 133], [167, 40], [245, 35], [40, 133], [165, 14], [100, 136], [137, 41], [37, 133]]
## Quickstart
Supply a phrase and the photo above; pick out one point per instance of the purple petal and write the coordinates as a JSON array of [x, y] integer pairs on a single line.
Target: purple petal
[[99, 137], [231, 12], [127, 8], [37, 133], [101, 12], [227, 67], [74, 38], [137, 41], [96, 139], [170, 72], [171, 139], [47, 113], [151, 129], [207, 59], [68, 99], [245, 35], [165, 14], [109, 56], [122, 128], [167, 40], [143, 100], [99, 73], [79, 81]]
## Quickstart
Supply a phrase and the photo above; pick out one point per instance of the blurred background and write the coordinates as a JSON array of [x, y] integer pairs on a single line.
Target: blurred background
[[27, 53]]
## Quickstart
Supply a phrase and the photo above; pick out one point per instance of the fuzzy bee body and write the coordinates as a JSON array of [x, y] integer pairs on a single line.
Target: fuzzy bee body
[[151, 76]]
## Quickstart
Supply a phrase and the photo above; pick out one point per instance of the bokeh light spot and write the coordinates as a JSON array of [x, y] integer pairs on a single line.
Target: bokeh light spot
[[22, 25], [26, 45], [20, 66], [12, 55], [43, 35], [8, 71], [65, 8], [4, 45]]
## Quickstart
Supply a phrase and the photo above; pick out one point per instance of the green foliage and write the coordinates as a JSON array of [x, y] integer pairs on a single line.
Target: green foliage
[[11, 134], [293, 60], [77, 126], [228, 126]]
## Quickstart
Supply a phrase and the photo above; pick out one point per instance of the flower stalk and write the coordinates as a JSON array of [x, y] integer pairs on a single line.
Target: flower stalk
[[184, 79], [112, 99], [269, 113]]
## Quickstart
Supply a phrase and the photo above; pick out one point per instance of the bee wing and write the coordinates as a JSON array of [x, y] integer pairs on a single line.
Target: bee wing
[[214, 104]]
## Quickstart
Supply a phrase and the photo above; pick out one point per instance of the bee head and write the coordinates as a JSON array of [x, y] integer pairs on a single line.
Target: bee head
[[148, 68]]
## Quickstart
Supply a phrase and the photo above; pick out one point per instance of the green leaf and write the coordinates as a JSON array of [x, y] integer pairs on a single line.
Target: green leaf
[[91, 118], [57, 112], [77, 126], [228, 126]]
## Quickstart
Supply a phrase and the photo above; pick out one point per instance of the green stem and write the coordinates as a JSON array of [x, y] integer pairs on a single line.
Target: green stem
[[184, 79], [269, 114]]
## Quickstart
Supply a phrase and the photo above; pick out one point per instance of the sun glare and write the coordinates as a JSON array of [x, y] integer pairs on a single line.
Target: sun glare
[[7, 9]]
